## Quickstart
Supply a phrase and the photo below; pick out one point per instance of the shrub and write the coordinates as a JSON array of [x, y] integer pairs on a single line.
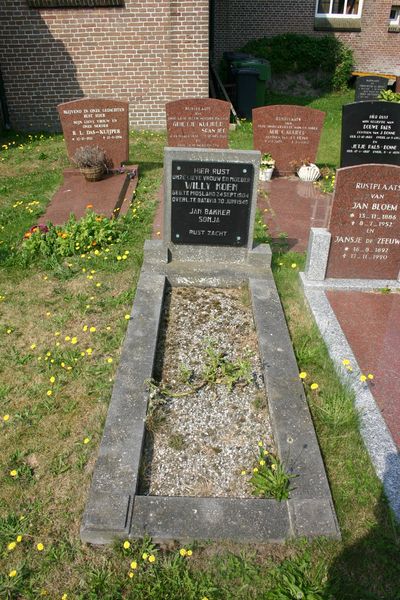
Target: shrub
[[89, 233], [293, 53]]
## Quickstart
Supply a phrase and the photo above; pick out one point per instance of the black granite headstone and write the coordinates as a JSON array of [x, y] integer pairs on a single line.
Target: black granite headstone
[[370, 133], [369, 87], [211, 202]]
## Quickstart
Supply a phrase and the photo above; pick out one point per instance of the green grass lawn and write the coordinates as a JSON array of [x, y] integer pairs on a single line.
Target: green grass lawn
[[62, 323]]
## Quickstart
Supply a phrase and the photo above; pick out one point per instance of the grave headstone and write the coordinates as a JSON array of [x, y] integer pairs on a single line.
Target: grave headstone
[[365, 223], [198, 122], [370, 133], [369, 87], [210, 196], [290, 133], [97, 122]]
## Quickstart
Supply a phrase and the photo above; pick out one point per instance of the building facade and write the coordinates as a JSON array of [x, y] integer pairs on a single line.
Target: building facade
[[149, 52]]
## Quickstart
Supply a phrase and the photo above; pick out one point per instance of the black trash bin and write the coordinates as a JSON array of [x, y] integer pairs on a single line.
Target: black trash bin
[[246, 91]]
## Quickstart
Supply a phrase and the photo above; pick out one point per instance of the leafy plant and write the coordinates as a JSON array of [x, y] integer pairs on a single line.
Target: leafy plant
[[326, 183], [76, 236], [219, 369], [297, 580], [267, 162], [269, 477], [389, 96]]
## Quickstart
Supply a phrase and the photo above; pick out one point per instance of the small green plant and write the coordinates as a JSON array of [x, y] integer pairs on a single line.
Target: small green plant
[[267, 162], [326, 183], [177, 441], [219, 369], [389, 96], [269, 478], [297, 579]]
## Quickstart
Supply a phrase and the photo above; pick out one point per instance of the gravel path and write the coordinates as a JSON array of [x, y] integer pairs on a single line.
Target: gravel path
[[208, 436]]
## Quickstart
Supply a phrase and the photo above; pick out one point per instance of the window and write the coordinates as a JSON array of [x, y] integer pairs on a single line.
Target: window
[[339, 8], [394, 19]]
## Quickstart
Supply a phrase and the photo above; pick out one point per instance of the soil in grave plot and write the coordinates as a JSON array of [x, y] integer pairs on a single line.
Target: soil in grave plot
[[201, 436]]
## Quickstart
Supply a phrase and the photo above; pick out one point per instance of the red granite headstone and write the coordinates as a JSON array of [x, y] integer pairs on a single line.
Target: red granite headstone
[[290, 133], [198, 123], [96, 122], [365, 223]]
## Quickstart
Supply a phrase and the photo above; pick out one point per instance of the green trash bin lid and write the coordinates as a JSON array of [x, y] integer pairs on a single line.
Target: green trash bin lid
[[262, 66]]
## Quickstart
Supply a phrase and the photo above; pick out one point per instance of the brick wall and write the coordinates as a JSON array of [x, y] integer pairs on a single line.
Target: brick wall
[[147, 52], [238, 21]]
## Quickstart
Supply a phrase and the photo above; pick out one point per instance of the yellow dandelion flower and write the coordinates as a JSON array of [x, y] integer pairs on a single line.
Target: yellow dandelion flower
[[67, 338], [260, 444], [266, 452], [19, 538], [126, 545], [189, 552], [243, 472], [119, 257], [127, 317], [255, 470], [11, 546], [89, 351], [39, 547], [33, 346], [145, 555], [262, 463], [363, 377], [133, 565], [108, 328], [6, 418], [98, 284], [182, 552], [124, 257], [49, 392], [86, 440], [314, 386], [74, 340], [293, 265], [345, 361], [303, 375], [92, 329], [12, 573], [64, 597], [131, 574], [370, 376], [9, 330], [57, 333], [109, 360], [152, 558], [273, 466], [52, 379]]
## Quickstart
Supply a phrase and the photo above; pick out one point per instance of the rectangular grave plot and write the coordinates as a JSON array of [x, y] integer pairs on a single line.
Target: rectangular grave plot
[[205, 332], [211, 202]]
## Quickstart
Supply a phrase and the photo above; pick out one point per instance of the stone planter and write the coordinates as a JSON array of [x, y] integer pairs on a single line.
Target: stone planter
[[266, 174], [309, 172]]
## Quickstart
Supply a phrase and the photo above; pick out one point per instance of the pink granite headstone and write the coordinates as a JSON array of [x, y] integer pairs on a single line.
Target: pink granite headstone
[[290, 133], [96, 122], [365, 223], [198, 123]]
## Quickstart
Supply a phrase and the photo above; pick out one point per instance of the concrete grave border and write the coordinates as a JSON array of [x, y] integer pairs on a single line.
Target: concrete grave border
[[113, 508]]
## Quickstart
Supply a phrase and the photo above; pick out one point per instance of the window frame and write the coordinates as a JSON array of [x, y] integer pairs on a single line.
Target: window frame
[[395, 22], [333, 15]]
